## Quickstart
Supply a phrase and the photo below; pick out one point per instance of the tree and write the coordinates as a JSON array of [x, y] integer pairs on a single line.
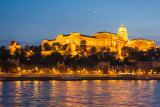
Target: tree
[[53, 58], [93, 50], [37, 49], [73, 62], [83, 45], [126, 51], [17, 54], [108, 49], [64, 47], [68, 52], [7, 66], [35, 59], [138, 55], [60, 47], [27, 48], [94, 58], [154, 53], [4, 53], [22, 57], [47, 47], [103, 49], [54, 47]]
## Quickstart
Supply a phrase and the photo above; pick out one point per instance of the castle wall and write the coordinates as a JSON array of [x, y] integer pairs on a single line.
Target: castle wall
[[142, 44], [102, 39]]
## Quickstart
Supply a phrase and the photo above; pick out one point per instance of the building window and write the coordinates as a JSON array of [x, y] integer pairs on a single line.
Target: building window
[[67, 40]]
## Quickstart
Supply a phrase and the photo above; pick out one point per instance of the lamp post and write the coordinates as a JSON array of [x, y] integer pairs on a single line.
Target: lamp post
[[36, 68]]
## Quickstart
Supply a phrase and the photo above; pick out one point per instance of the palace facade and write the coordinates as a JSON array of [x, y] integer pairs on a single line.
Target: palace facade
[[99, 40]]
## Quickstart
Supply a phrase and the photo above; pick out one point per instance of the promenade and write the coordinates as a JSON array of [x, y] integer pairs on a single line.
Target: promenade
[[33, 76]]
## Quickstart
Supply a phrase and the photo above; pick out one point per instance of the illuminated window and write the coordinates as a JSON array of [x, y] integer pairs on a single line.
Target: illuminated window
[[67, 40]]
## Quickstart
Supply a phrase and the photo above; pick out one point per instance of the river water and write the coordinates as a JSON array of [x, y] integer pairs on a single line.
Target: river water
[[99, 93]]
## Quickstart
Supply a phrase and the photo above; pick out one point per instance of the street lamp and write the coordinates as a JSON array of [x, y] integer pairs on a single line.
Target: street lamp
[[19, 68]]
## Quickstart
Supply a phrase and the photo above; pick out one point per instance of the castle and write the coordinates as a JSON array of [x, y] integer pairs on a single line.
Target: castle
[[99, 40], [13, 47], [71, 43]]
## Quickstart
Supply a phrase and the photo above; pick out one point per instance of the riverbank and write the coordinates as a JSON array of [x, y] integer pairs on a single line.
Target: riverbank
[[77, 77]]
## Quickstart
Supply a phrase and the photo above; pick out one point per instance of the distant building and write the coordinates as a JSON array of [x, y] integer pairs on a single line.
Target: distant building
[[14, 61], [60, 65], [99, 40], [13, 47], [104, 66], [147, 65], [142, 44]]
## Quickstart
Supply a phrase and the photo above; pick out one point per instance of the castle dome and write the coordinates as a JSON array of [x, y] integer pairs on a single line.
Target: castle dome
[[122, 28], [122, 31]]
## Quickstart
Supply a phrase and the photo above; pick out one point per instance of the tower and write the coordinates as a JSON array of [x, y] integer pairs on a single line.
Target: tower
[[123, 32]]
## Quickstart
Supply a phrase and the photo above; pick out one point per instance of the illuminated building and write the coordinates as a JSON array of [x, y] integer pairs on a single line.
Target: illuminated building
[[13, 47], [148, 66], [99, 40], [142, 44]]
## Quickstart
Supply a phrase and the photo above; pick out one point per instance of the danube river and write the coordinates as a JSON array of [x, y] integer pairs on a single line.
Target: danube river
[[113, 93]]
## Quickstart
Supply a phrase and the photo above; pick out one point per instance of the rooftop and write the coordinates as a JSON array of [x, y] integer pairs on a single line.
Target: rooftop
[[18, 44], [106, 32], [141, 39], [87, 36], [12, 43]]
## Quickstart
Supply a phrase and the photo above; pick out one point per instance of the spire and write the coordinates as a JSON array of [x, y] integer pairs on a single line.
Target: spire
[[122, 23]]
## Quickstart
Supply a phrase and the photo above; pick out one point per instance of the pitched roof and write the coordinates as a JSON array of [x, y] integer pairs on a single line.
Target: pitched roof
[[141, 39], [87, 36], [81, 35], [57, 43], [52, 40], [12, 43], [66, 35], [106, 32], [18, 44]]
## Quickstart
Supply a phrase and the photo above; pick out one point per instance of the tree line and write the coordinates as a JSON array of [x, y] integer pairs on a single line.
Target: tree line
[[80, 60]]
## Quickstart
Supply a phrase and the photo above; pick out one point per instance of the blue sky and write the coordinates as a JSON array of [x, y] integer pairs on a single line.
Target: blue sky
[[32, 21]]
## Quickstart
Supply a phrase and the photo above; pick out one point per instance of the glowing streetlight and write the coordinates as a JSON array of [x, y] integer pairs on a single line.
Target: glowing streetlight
[[19, 68]]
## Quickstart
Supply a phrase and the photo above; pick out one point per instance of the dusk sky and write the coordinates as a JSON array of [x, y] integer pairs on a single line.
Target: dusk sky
[[32, 21]]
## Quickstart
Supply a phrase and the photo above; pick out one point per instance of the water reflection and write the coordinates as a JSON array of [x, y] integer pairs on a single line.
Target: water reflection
[[1, 85], [18, 92], [80, 93]]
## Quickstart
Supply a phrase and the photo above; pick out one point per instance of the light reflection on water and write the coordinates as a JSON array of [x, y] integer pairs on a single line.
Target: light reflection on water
[[80, 93]]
